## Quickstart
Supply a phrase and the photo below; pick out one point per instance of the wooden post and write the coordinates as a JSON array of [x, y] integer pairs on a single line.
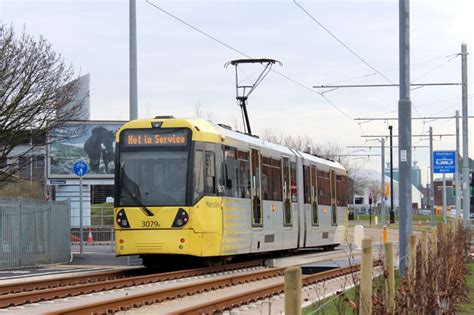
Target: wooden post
[[424, 254], [365, 302], [434, 242], [412, 260], [293, 291], [434, 256], [390, 280]]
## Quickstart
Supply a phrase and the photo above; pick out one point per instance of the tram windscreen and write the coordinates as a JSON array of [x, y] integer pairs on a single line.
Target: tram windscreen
[[153, 178], [155, 173]]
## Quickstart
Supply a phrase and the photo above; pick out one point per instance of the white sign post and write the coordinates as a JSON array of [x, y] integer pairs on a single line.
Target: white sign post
[[80, 169]]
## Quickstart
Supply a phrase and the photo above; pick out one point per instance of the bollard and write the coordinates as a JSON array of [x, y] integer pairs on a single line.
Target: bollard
[[376, 220], [358, 236], [366, 267], [385, 234], [390, 280], [293, 291]]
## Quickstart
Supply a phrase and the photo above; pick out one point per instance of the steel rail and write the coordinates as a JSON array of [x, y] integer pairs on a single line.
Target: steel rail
[[63, 281], [79, 289], [159, 295], [236, 300]]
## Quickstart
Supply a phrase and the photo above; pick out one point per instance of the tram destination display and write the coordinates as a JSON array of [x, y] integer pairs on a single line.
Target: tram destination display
[[155, 137]]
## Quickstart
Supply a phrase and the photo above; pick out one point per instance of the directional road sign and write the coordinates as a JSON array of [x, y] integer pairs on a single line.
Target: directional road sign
[[80, 168], [444, 162]]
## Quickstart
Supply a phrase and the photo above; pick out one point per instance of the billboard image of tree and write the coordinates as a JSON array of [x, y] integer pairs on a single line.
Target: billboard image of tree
[[93, 142]]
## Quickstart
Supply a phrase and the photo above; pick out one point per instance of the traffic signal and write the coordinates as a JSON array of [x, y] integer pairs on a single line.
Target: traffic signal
[[370, 199]]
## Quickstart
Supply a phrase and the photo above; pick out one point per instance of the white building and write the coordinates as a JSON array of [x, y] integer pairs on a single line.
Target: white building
[[373, 178]]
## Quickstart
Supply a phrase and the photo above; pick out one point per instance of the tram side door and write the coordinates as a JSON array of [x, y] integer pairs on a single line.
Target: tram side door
[[332, 177], [256, 176]]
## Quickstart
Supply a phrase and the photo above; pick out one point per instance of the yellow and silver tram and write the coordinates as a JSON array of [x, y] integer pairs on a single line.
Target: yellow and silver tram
[[191, 187]]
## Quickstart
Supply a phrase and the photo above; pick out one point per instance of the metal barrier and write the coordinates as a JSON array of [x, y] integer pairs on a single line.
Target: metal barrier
[[33, 232], [93, 235]]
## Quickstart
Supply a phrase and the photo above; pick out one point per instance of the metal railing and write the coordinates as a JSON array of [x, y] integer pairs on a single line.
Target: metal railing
[[33, 232]]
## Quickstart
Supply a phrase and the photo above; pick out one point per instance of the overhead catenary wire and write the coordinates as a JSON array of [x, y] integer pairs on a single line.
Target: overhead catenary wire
[[349, 49], [341, 42], [309, 88], [391, 69]]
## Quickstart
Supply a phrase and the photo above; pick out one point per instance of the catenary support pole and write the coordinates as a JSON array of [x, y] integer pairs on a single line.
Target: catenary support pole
[[392, 213], [458, 188], [431, 191], [465, 138], [133, 59], [404, 135], [382, 190]]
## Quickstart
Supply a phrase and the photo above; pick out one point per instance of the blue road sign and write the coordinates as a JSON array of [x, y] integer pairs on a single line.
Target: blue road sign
[[80, 168], [444, 162]]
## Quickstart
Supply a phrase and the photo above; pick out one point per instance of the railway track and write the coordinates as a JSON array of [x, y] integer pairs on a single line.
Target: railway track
[[36, 291], [130, 301], [27, 286]]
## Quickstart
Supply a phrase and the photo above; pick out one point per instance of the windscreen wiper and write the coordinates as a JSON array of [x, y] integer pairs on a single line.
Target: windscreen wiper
[[138, 200]]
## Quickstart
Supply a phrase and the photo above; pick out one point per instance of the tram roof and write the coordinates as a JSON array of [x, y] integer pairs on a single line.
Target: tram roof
[[277, 147], [213, 130]]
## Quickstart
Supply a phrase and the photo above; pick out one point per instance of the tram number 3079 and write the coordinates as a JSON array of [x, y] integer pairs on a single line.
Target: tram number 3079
[[150, 224]]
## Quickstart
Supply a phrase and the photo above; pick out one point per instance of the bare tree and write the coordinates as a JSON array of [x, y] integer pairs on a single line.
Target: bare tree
[[37, 95]]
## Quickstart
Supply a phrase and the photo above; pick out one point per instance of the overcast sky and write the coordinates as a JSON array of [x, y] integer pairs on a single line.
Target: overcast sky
[[180, 67]]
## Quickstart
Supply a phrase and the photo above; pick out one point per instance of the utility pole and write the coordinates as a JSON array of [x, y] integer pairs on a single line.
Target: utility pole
[[404, 138], [465, 142], [133, 59], [431, 191], [392, 213], [458, 188], [382, 181]]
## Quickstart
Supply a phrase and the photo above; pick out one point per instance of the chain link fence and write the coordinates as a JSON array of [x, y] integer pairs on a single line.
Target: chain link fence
[[33, 232]]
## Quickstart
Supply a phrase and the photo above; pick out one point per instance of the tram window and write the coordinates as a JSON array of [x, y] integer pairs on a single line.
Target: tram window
[[267, 181], [341, 190], [306, 179], [198, 175], [293, 187], [210, 173], [324, 188], [256, 188], [314, 195], [244, 174], [276, 180], [286, 193], [231, 167]]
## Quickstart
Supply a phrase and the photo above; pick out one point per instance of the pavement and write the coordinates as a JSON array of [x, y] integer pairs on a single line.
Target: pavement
[[102, 255]]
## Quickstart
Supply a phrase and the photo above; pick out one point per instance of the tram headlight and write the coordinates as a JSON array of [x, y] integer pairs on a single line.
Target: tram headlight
[[121, 219], [181, 218]]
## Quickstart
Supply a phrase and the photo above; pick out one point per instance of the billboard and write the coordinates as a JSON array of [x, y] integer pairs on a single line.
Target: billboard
[[92, 141]]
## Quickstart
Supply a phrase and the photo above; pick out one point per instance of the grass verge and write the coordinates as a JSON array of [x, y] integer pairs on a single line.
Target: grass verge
[[332, 305]]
